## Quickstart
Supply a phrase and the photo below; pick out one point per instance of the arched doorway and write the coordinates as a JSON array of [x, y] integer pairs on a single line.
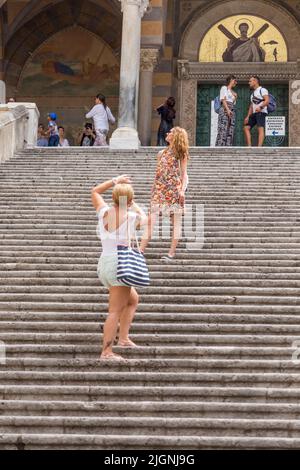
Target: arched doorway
[[65, 73], [256, 38], [63, 55]]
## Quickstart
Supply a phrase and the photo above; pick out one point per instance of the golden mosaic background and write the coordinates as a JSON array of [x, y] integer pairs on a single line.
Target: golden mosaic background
[[215, 42]]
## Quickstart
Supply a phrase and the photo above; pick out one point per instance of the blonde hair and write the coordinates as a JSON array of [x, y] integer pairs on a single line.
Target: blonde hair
[[180, 143], [123, 191]]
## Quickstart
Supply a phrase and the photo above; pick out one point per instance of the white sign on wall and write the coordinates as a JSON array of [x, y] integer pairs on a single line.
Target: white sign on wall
[[275, 126], [213, 125]]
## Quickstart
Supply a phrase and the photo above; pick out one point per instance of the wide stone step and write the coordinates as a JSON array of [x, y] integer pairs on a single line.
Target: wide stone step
[[88, 285], [169, 409], [51, 320], [86, 359], [140, 377], [172, 308], [11, 441], [237, 338], [124, 393], [39, 351], [188, 293], [68, 301], [152, 426]]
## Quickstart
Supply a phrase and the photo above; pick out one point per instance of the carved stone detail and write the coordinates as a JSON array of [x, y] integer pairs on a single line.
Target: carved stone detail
[[142, 4], [294, 109], [149, 59], [183, 69], [219, 71], [188, 108]]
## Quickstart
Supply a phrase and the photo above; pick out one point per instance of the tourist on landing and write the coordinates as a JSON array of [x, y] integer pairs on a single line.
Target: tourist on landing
[[170, 185], [227, 113], [11, 100], [63, 142], [42, 140], [88, 137], [258, 111], [102, 117], [52, 132], [167, 114], [117, 225]]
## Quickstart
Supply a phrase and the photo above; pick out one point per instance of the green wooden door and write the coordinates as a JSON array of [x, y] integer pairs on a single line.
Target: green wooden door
[[206, 93]]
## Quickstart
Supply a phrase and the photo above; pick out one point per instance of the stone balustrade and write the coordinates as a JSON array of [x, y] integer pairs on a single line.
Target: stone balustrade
[[18, 128]]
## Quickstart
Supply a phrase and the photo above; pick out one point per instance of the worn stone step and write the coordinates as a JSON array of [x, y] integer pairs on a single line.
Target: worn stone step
[[196, 409], [199, 308], [262, 379], [86, 359], [151, 426], [211, 393], [11, 441], [39, 350], [211, 338]]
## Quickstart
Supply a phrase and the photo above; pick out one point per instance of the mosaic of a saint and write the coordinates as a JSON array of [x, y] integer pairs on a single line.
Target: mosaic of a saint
[[244, 48], [243, 38]]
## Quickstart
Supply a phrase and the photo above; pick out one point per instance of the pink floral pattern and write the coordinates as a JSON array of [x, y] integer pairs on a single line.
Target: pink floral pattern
[[167, 184]]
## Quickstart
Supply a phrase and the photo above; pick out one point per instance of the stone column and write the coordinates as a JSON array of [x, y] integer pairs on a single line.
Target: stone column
[[149, 58], [126, 135], [2, 92]]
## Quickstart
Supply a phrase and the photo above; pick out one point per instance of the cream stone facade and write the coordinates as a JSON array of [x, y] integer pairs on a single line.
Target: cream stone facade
[[58, 54]]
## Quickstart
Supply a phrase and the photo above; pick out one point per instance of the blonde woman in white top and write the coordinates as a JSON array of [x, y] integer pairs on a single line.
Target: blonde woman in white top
[[117, 223], [227, 114]]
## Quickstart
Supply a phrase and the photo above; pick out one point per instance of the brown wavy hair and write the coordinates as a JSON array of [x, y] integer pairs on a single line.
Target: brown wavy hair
[[180, 143]]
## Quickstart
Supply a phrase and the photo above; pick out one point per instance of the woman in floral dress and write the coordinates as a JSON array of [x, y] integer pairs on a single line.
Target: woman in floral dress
[[170, 184]]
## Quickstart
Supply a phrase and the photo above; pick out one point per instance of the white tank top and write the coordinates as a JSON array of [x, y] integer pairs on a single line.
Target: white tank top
[[111, 240]]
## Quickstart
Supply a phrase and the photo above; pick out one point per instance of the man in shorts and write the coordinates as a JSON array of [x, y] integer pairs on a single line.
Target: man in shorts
[[258, 111]]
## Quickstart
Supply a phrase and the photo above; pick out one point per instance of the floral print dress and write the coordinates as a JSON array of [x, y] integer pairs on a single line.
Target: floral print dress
[[167, 185]]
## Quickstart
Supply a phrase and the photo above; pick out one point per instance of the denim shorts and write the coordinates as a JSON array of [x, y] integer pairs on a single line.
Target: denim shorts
[[257, 119], [107, 271]]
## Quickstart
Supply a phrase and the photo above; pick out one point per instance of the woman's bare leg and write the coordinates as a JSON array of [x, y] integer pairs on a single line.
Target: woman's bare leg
[[176, 232], [148, 233], [127, 318], [118, 302]]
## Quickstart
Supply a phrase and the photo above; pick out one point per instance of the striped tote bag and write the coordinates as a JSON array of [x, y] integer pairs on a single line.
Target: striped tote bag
[[132, 267]]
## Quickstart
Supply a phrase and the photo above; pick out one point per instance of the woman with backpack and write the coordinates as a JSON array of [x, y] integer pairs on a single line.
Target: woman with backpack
[[227, 113], [102, 117]]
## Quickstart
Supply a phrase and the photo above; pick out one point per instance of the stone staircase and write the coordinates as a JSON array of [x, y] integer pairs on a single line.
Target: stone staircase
[[216, 328]]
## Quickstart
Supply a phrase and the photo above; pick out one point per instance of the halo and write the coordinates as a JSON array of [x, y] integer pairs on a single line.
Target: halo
[[243, 20]]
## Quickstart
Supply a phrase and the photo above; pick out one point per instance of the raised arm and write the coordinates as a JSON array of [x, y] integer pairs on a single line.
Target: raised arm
[[142, 217], [97, 200]]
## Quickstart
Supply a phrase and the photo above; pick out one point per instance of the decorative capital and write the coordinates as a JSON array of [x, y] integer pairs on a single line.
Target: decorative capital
[[149, 59], [142, 4], [183, 69]]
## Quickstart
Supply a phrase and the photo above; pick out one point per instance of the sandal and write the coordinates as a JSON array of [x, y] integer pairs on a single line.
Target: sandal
[[168, 258], [112, 357], [127, 344]]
